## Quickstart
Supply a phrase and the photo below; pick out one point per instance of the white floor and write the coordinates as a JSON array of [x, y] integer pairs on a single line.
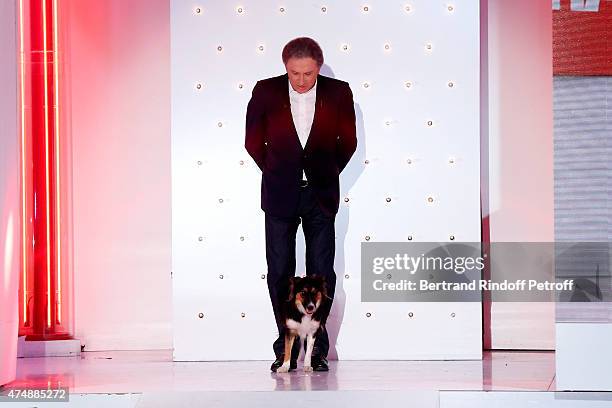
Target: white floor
[[140, 371], [152, 379]]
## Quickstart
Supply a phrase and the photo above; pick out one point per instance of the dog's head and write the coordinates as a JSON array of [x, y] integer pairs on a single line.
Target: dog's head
[[308, 293]]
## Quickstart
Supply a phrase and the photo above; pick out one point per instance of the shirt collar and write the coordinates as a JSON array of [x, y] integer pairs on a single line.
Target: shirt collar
[[294, 92]]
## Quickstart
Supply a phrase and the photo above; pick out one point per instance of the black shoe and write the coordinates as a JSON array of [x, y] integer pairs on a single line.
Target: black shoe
[[319, 363], [279, 362]]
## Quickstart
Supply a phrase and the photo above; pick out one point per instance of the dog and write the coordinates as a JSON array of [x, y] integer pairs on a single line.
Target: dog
[[304, 314]]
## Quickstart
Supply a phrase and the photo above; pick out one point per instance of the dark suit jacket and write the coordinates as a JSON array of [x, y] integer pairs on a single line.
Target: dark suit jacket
[[272, 140]]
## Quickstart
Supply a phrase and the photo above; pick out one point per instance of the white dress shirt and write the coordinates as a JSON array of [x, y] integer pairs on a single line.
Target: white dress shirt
[[302, 110]]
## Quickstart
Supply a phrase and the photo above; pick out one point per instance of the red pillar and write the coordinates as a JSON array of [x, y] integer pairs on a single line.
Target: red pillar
[[45, 290]]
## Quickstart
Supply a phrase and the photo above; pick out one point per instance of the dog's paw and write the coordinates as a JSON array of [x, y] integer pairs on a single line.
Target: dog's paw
[[307, 369], [283, 369]]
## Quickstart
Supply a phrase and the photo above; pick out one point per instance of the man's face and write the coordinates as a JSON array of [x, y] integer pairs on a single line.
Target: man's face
[[302, 73]]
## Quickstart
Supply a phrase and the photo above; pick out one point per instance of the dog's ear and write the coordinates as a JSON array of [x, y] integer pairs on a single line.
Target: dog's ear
[[290, 290], [324, 289], [292, 281], [323, 282]]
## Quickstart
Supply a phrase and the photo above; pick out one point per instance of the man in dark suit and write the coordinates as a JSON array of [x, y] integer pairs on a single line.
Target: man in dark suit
[[300, 130]]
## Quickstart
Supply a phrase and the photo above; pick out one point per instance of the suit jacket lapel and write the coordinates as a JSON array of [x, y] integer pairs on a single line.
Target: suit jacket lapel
[[288, 117], [317, 112]]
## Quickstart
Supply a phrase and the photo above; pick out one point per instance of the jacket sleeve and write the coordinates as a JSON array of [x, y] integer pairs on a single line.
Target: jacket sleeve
[[346, 144], [255, 127]]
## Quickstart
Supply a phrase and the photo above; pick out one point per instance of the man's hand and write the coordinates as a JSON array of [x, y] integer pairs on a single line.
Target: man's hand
[[347, 138], [255, 127]]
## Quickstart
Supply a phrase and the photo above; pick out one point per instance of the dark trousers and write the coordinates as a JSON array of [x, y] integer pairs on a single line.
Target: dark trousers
[[319, 234]]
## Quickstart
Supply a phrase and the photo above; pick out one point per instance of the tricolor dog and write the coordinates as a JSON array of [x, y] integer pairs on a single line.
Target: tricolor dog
[[304, 313]]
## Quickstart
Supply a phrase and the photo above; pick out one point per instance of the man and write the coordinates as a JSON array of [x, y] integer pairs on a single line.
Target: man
[[300, 130]]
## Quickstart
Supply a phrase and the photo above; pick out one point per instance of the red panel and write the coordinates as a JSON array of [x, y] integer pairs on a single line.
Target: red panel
[[581, 40]]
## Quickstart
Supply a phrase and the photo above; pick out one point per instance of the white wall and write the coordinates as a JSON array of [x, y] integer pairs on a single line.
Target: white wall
[[10, 200], [392, 128]]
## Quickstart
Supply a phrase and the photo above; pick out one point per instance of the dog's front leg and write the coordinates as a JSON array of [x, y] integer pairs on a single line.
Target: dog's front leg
[[289, 337], [308, 355]]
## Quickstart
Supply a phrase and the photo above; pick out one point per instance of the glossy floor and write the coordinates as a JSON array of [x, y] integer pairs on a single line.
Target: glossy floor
[[154, 371]]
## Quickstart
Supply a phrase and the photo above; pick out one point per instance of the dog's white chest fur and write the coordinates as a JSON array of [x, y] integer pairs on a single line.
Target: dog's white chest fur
[[305, 327]]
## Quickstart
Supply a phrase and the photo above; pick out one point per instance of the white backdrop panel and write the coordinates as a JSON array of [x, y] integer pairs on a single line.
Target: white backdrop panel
[[414, 71]]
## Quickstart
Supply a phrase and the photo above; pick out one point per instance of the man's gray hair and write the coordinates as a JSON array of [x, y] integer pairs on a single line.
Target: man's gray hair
[[303, 47]]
